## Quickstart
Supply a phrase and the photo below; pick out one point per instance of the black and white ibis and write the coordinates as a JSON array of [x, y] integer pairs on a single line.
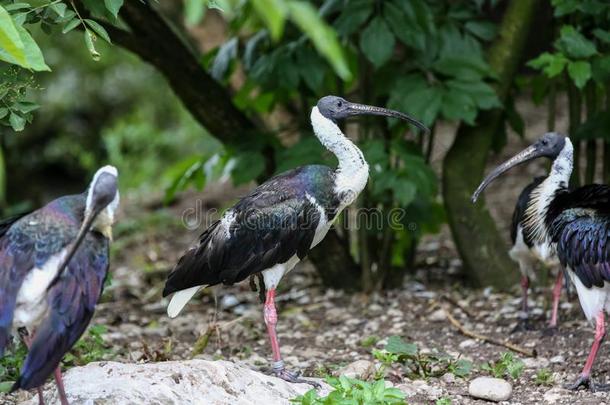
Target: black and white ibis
[[270, 230], [53, 263], [576, 224], [527, 254]]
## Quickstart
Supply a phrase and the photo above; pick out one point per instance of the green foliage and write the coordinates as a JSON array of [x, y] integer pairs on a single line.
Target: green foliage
[[507, 366], [420, 365], [10, 365], [353, 391], [580, 50], [90, 347], [544, 377], [444, 401]]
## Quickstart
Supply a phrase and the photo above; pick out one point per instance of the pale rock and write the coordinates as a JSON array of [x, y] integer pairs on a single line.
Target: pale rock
[[467, 343], [558, 359], [437, 316], [173, 382], [491, 389], [535, 363], [360, 369], [553, 395]]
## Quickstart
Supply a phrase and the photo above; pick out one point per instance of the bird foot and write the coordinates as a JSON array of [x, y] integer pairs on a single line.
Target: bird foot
[[587, 382], [280, 371], [550, 331], [523, 325]]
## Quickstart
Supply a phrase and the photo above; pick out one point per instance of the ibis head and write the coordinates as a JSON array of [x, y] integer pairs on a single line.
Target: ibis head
[[549, 145], [336, 108]]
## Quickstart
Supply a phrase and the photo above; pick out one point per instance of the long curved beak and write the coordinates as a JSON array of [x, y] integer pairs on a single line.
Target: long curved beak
[[526, 155], [361, 109], [82, 233]]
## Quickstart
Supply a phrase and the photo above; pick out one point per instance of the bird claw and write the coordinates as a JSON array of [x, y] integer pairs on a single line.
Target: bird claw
[[291, 377], [587, 382], [550, 331]]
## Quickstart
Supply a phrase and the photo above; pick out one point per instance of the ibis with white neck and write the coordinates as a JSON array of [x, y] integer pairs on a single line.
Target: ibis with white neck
[[270, 230], [53, 263], [576, 225], [527, 253]]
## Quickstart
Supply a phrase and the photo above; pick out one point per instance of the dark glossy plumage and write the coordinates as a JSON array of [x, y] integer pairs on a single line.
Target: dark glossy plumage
[[29, 242], [519, 212], [273, 223], [579, 223]]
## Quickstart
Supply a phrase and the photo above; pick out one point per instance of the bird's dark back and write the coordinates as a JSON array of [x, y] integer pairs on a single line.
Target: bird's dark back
[[519, 212]]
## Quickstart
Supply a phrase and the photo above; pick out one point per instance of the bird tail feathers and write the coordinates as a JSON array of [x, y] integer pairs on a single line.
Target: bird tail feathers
[[180, 299]]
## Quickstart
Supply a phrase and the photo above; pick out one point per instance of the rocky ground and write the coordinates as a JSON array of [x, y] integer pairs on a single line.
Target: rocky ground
[[322, 331], [325, 332]]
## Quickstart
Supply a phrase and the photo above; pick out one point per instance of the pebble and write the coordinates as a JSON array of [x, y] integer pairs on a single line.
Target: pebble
[[437, 316], [360, 369], [558, 359], [553, 395], [535, 363], [491, 389], [467, 343]]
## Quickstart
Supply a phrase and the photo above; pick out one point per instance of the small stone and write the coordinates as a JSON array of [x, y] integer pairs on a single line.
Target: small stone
[[360, 369], [553, 395], [491, 389], [558, 359], [437, 316], [467, 343], [535, 363], [448, 378]]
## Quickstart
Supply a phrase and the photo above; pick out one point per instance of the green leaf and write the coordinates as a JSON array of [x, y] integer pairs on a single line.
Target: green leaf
[[551, 64], [17, 122], [113, 6], [226, 53], [11, 45], [352, 17], [602, 35], [483, 29], [70, 25], [89, 41], [483, 95], [573, 44], [404, 192], [405, 29], [321, 35], [458, 106], [33, 54], [3, 112], [398, 346], [25, 106], [377, 42], [59, 8], [601, 69], [98, 29], [5, 386], [580, 73], [17, 6], [194, 10], [273, 13]]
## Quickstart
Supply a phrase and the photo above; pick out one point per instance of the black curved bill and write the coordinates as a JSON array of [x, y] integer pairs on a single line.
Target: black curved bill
[[521, 157], [82, 233], [359, 109]]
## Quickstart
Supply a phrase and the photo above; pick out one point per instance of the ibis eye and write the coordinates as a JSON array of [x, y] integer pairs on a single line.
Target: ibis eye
[[545, 142], [339, 104]]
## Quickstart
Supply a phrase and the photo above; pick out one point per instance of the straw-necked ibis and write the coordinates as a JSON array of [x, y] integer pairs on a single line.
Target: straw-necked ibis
[[270, 230], [575, 223], [53, 263], [527, 254]]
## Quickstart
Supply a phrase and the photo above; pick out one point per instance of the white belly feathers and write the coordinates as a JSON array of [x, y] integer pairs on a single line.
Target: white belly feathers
[[31, 305]]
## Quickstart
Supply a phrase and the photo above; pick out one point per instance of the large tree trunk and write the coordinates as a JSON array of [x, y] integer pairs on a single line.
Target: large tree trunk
[[153, 39], [479, 243]]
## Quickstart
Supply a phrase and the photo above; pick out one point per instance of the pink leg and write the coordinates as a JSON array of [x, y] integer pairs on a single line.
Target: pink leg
[[270, 316], [525, 284], [600, 331], [60, 387], [556, 295], [585, 376], [27, 339]]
